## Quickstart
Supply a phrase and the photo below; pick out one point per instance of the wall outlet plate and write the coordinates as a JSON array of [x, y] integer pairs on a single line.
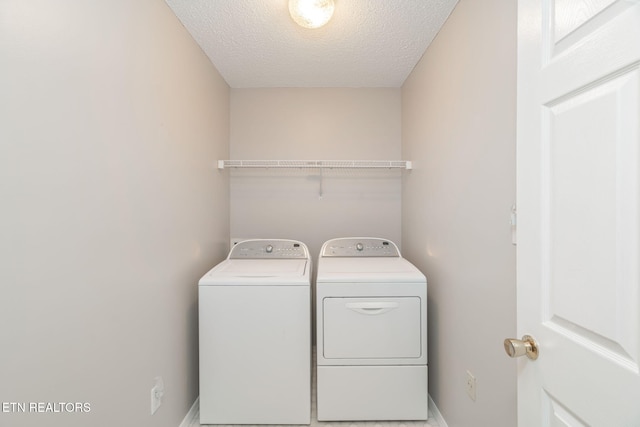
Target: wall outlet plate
[[471, 386], [235, 240], [157, 391]]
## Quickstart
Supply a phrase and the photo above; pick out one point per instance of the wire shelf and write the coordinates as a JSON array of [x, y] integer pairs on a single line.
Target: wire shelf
[[316, 164]]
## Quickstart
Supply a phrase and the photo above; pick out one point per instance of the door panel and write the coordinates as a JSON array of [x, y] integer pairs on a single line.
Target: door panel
[[574, 20], [558, 415], [591, 230], [373, 328]]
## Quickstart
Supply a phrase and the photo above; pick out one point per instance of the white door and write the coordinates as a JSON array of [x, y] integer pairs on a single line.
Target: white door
[[579, 212]]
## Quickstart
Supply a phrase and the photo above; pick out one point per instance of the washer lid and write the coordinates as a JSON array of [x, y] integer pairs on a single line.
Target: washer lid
[[368, 269], [258, 272]]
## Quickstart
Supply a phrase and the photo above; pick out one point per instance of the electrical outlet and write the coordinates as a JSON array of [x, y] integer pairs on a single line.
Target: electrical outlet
[[235, 240], [157, 391], [471, 386]]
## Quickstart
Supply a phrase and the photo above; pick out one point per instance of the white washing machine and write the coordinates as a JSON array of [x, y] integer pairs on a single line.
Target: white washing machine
[[255, 335], [371, 308]]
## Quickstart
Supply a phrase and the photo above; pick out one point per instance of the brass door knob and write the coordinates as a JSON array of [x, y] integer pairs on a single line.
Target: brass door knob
[[525, 347]]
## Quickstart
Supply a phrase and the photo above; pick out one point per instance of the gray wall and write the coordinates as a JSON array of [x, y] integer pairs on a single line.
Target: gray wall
[[112, 120], [315, 124], [458, 127]]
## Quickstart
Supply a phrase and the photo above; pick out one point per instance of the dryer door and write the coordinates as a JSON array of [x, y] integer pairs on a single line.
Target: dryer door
[[372, 328]]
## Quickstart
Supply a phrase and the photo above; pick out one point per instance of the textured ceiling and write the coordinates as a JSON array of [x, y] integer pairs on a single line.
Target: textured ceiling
[[367, 43]]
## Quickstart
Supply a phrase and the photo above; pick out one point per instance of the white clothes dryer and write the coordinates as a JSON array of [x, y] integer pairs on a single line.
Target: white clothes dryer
[[255, 335], [371, 308]]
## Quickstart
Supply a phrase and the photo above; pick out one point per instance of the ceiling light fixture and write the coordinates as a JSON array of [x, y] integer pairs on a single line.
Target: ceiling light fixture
[[311, 13]]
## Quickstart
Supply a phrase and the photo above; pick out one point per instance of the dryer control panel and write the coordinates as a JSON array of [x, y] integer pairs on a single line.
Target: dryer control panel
[[269, 249], [359, 247]]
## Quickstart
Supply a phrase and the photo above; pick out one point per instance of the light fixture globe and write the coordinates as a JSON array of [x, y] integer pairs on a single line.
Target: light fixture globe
[[311, 13]]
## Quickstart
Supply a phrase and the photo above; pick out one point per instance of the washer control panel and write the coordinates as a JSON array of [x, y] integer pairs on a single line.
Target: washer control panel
[[359, 247], [270, 249]]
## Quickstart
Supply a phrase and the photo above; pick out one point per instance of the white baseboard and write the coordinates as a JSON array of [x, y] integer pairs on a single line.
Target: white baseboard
[[192, 415], [436, 413]]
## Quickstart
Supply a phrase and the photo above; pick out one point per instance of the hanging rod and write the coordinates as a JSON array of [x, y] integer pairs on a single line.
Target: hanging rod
[[316, 164]]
